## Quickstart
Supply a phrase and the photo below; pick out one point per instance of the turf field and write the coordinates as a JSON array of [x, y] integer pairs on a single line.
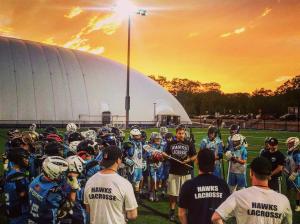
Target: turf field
[[255, 140]]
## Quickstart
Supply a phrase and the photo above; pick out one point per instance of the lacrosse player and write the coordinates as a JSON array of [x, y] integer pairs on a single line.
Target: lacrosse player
[[292, 168], [237, 158], [214, 143]]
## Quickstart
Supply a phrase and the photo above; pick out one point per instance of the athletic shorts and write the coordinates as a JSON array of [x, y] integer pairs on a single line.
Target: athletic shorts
[[237, 179], [156, 171], [175, 182], [137, 175]]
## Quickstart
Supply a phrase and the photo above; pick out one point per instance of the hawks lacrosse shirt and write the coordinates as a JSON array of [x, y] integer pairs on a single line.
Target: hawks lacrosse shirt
[[109, 196], [256, 205], [201, 196], [181, 151]]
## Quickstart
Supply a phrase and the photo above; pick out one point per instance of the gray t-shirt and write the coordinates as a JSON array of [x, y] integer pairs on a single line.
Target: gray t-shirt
[[109, 196]]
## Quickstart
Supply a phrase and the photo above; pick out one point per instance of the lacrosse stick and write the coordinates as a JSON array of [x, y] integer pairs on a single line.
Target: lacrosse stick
[[150, 149], [287, 173]]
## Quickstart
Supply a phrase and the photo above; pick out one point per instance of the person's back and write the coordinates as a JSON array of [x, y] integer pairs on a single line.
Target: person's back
[[256, 205], [201, 196], [106, 195]]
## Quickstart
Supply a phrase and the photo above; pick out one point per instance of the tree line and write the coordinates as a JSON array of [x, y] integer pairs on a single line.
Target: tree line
[[202, 98]]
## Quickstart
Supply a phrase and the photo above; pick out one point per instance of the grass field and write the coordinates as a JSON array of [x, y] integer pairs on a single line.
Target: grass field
[[255, 140]]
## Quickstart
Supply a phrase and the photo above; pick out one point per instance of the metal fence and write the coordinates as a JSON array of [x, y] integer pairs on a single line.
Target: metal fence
[[258, 124]]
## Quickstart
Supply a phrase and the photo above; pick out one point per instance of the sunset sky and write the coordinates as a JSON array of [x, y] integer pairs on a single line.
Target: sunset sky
[[241, 44]]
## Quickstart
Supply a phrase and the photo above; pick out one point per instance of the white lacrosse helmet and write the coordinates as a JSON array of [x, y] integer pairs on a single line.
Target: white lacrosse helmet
[[75, 164], [236, 140], [292, 143], [54, 167], [135, 132], [73, 146], [89, 135], [71, 127], [32, 127], [163, 130]]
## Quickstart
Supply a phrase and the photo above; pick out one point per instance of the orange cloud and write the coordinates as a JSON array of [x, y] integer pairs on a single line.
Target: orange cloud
[[266, 12], [75, 11], [283, 78]]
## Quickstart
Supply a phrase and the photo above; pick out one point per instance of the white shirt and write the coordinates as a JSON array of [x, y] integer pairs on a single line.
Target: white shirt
[[256, 205], [109, 196]]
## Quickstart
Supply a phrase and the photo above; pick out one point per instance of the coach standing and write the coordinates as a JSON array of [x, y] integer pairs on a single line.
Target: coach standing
[[184, 151], [200, 196], [277, 160], [109, 198]]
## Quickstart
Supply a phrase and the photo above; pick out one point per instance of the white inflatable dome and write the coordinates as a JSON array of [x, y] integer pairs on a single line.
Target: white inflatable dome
[[39, 82]]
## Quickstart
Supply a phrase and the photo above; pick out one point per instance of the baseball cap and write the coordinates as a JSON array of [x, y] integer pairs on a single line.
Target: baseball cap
[[273, 141], [261, 166], [110, 155]]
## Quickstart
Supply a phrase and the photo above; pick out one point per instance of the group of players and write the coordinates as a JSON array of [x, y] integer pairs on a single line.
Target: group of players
[[45, 173]]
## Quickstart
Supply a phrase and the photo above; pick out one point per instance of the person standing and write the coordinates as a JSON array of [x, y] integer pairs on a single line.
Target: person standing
[[200, 196], [109, 198], [256, 204], [184, 151], [277, 160]]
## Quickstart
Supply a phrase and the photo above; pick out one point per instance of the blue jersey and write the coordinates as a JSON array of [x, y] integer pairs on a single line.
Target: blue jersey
[[136, 153], [78, 214], [91, 168], [215, 145], [16, 183], [45, 198], [236, 167]]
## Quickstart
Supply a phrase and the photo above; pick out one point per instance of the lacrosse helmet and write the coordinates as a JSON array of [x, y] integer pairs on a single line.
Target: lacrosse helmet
[[32, 127], [73, 146], [19, 156], [75, 164], [13, 133], [155, 135], [236, 140], [54, 138], [292, 143], [163, 130], [234, 129], [75, 136], [212, 130], [135, 132], [54, 167], [109, 139], [71, 127], [54, 149]]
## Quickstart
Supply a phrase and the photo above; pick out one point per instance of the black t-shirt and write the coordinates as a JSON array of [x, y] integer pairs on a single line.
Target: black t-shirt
[[201, 196], [276, 158], [181, 151]]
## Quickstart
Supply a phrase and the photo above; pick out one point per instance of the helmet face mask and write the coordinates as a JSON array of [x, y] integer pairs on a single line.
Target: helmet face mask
[[76, 164], [135, 134], [236, 141], [163, 130]]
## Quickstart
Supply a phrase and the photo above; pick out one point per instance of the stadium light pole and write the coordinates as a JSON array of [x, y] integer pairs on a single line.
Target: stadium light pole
[[125, 8]]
